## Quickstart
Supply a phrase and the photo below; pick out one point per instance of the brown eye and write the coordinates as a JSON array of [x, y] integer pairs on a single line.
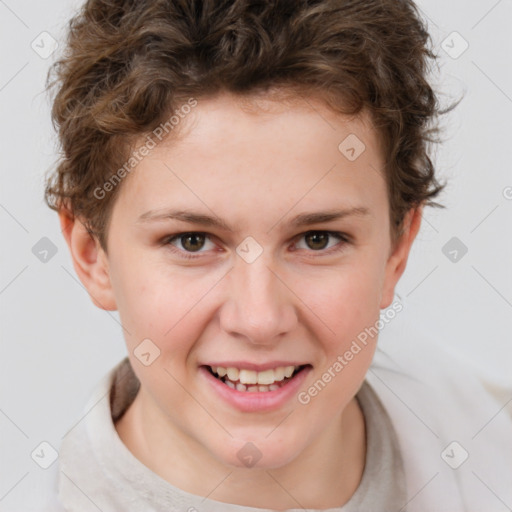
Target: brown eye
[[323, 242], [317, 240], [192, 241], [191, 244]]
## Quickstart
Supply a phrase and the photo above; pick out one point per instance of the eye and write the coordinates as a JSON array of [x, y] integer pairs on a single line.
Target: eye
[[191, 242], [321, 240]]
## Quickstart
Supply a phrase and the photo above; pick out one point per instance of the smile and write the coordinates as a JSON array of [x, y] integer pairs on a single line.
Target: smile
[[255, 388], [252, 381]]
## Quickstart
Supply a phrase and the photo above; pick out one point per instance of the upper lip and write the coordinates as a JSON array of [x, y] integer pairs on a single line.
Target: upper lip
[[246, 365]]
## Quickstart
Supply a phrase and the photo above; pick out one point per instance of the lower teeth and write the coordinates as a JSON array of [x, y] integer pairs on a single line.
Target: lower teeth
[[253, 388]]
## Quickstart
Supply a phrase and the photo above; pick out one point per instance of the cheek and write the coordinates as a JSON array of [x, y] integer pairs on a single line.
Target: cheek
[[349, 306], [344, 301], [160, 304]]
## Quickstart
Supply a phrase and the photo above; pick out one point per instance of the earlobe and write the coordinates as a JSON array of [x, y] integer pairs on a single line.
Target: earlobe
[[89, 260], [397, 260]]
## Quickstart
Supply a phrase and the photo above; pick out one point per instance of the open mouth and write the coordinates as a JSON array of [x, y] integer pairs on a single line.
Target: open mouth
[[251, 381]]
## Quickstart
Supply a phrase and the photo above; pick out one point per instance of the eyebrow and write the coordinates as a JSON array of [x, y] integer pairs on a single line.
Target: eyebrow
[[304, 219]]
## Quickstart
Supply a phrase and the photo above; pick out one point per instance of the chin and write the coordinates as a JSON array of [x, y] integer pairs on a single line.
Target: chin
[[257, 452]]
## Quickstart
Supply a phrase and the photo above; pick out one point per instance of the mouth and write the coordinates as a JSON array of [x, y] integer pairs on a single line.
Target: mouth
[[251, 381]]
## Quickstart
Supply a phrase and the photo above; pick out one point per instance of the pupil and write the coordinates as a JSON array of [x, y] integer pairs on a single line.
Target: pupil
[[194, 237], [317, 238]]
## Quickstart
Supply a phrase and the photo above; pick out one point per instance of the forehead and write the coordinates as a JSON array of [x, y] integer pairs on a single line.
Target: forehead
[[227, 119], [239, 152]]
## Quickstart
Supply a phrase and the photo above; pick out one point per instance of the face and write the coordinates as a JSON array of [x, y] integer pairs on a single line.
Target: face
[[252, 242]]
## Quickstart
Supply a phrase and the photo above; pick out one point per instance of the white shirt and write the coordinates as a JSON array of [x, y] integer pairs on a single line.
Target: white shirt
[[454, 443]]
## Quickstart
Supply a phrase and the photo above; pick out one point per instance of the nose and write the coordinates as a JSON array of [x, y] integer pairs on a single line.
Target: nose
[[260, 307]]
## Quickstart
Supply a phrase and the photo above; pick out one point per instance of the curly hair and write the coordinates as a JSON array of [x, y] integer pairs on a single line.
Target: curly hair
[[129, 63]]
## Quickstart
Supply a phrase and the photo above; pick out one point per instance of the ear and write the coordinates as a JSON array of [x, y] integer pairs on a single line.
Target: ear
[[89, 260], [397, 260]]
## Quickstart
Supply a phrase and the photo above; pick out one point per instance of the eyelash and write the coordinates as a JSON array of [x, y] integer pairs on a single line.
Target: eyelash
[[344, 239]]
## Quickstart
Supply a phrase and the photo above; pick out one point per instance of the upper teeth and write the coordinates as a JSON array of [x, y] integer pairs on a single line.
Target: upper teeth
[[265, 377]]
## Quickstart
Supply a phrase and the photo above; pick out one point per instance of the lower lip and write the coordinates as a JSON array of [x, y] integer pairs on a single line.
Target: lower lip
[[256, 401]]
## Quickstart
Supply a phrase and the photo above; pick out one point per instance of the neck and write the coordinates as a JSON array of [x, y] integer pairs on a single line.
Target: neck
[[325, 475]]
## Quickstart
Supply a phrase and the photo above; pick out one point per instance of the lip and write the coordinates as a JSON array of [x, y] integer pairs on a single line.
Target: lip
[[246, 365], [259, 401]]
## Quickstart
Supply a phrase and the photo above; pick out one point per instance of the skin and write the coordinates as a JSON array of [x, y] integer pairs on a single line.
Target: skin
[[255, 165]]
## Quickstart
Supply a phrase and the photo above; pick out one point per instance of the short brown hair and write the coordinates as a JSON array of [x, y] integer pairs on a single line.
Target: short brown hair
[[129, 63]]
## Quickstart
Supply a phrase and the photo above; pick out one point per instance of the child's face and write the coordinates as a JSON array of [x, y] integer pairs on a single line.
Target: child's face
[[302, 301]]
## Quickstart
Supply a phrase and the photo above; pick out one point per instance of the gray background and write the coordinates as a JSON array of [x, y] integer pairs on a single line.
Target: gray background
[[55, 345]]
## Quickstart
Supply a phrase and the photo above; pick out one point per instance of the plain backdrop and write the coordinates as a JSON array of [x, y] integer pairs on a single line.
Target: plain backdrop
[[55, 344]]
